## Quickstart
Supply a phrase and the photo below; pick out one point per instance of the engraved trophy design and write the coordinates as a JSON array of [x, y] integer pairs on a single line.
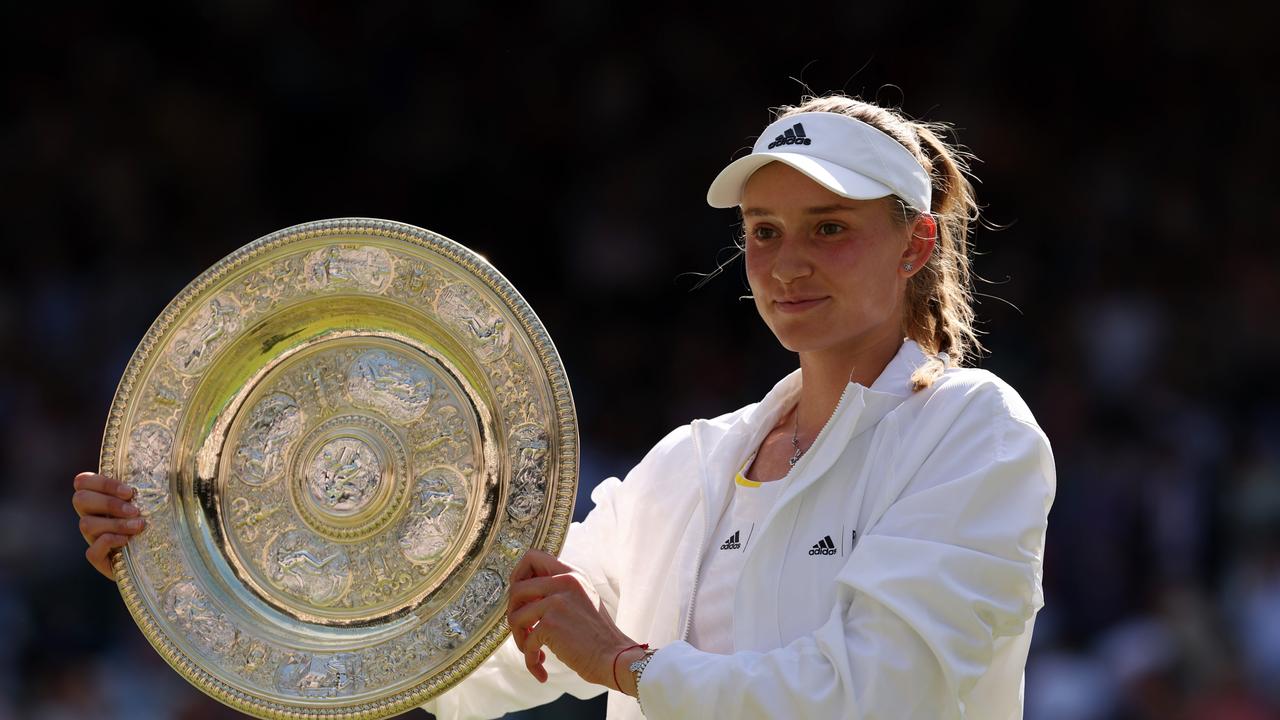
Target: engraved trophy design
[[343, 436]]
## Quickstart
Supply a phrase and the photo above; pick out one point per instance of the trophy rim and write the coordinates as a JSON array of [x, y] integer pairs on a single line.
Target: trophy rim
[[559, 509]]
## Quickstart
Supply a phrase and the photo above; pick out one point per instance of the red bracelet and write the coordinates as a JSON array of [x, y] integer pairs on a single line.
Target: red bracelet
[[617, 685]]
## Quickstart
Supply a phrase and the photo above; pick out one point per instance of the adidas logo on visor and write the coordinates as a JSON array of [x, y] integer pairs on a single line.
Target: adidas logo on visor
[[823, 547], [732, 543], [794, 136]]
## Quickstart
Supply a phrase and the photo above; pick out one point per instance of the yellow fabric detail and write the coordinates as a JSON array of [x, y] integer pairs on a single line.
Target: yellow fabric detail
[[742, 479]]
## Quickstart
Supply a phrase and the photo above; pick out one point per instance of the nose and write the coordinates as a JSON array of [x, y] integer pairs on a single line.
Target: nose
[[791, 262]]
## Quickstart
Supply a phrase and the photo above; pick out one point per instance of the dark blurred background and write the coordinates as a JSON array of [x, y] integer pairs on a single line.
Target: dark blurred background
[[1128, 151]]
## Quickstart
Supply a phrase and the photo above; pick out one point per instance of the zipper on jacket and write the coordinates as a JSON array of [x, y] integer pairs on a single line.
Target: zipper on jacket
[[697, 566], [821, 433], [702, 541]]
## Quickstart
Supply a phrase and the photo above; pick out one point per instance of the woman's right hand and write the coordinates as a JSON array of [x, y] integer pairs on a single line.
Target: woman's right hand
[[107, 519]]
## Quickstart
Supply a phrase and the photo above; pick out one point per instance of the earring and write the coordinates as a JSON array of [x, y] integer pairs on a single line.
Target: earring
[[907, 266]]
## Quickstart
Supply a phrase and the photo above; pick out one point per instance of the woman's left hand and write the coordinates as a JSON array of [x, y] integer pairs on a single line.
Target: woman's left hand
[[548, 606]]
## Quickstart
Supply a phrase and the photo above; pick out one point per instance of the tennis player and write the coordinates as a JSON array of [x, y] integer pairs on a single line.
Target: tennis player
[[864, 542]]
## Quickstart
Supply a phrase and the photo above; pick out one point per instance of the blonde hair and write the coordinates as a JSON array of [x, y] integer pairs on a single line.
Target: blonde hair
[[939, 302]]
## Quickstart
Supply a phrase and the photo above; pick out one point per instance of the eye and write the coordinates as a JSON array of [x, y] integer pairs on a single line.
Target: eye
[[763, 232], [830, 228]]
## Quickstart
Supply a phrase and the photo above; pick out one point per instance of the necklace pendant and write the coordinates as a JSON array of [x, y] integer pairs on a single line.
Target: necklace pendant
[[795, 442]]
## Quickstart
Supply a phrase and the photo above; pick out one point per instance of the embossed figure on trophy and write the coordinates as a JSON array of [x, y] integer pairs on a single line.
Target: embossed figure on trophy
[[307, 571], [267, 286], [490, 337], [345, 474], [335, 267], [529, 484], [531, 465], [293, 562], [482, 593], [384, 580], [343, 469], [445, 425], [399, 387], [434, 517], [150, 445], [253, 656], [447, 631], [308, 568], [273, 424], [331, 678], [365, 267], [190, 610], [165, 395], [322, 384], [397, 381], [247, 517], [318, 675], [416, 279], [196, 341], [489, 332]]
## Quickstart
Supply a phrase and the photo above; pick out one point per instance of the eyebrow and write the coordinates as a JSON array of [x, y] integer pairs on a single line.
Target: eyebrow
[[819, 210]]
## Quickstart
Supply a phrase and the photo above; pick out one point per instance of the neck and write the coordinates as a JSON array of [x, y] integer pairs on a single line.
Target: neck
[[825, 374]]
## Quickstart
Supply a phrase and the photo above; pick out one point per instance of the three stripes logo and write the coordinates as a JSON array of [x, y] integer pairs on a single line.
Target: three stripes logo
[[733, 543], [794, 136], [824, 547]]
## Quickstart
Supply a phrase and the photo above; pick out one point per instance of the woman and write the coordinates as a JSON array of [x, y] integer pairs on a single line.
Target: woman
[[864, 542]]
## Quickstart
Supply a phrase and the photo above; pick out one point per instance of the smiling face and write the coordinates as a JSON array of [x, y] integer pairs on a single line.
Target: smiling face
[[826, 271]]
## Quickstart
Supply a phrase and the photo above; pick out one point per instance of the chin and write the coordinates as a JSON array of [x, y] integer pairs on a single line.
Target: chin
[[797, 341], [811, 337]]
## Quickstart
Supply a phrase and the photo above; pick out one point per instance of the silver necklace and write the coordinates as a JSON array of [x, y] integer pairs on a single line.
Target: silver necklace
[[795, 441]]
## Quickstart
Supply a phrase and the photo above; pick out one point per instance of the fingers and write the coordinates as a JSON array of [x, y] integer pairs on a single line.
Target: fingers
[[99, 553], [103, 484], [534, 657], [523, 620], [530, 599], [93, 526], [95, 502], [107, 521], [536, 563], [535, 588]]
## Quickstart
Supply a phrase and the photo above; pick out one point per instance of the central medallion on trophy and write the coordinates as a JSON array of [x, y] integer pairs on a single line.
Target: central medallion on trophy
[[350, 477], [344, 475]]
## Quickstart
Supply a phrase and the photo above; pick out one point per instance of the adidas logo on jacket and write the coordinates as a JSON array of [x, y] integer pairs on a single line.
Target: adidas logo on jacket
[[823, 547]]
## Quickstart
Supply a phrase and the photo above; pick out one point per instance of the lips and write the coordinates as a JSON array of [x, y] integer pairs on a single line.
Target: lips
[[796, 305]]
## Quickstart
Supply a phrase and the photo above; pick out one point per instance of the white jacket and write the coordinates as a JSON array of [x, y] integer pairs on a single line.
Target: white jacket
[[937, 502]]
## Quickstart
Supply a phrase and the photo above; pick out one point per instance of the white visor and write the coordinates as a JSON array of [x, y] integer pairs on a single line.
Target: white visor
[[847, 156]]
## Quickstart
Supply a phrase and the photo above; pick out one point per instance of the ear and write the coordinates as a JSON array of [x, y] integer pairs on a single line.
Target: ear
[[924, 238]]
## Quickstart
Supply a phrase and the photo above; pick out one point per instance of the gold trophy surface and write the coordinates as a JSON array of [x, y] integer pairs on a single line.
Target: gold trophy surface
[[343, 436]]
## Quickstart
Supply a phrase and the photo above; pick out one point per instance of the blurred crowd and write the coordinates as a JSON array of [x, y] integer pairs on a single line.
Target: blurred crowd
[[1129, 274]]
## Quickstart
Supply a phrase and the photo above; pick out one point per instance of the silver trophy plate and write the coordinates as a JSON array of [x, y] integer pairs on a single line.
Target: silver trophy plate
[[343, 436]]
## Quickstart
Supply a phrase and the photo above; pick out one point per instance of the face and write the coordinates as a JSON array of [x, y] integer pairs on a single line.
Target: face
[[826, 271]]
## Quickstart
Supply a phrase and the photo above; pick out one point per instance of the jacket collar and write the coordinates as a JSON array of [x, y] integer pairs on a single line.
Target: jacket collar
[[729, 441]]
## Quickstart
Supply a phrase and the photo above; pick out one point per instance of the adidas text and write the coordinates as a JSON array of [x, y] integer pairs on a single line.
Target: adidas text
[[823, 547], [794, 136], [733, 543]]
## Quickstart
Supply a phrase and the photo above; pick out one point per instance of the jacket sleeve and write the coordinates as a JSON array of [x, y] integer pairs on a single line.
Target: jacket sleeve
[[951, 566], [502, 683]]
